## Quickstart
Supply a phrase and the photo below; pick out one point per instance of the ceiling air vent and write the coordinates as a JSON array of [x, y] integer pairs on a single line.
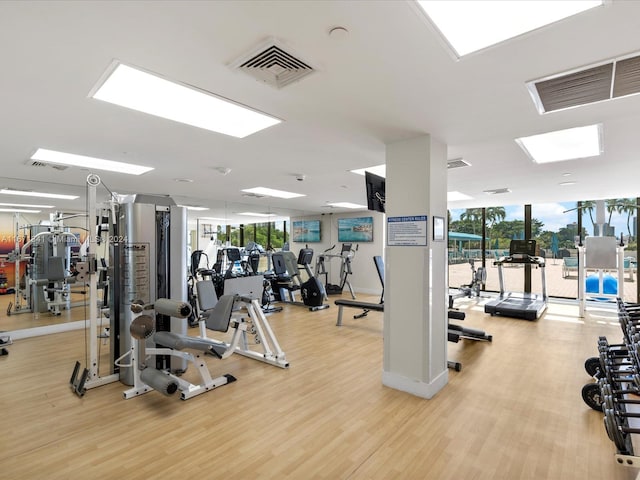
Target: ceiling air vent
[[457, 163], [497, 191], [39, 164], [272, 64], [627, 77], [611, 79]]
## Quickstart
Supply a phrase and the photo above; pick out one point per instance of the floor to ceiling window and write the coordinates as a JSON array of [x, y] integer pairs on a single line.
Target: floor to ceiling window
[[479, 236]]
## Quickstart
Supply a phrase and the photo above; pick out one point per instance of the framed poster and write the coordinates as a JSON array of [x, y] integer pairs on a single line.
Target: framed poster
[[355, 229], [438, 229], [306, 231]]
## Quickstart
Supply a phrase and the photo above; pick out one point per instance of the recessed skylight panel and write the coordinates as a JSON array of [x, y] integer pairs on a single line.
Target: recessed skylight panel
[[471, 25], [569, 144]]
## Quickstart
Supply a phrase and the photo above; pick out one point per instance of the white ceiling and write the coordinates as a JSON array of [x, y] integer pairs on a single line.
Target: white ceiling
[[390, 78]]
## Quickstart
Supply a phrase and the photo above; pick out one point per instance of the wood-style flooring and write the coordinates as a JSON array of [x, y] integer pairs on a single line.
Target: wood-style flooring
[[513, 412]]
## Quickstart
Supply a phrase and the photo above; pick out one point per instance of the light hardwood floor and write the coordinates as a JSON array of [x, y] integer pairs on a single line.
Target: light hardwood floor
[[513, 412]]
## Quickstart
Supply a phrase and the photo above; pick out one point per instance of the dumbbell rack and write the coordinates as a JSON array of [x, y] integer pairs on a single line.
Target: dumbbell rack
[[617, 371]]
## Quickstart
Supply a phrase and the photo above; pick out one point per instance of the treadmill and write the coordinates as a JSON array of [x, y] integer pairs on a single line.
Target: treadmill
[[528, 306]]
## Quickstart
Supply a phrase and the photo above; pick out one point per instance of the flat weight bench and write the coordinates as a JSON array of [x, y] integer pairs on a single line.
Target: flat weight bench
[[452, 335], [365, 306]]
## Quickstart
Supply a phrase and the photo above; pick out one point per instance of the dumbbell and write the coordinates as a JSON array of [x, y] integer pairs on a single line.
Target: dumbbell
[[607, 389], [618, 430], [611, 401]]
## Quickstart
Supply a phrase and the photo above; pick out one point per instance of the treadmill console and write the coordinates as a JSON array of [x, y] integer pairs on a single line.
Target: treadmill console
[[522, 248]]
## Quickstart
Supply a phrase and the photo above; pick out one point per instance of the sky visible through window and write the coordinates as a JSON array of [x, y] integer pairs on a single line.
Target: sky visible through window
[[553, 216]]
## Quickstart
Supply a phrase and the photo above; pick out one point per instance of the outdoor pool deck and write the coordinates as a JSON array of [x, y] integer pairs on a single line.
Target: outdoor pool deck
[[557, 285]]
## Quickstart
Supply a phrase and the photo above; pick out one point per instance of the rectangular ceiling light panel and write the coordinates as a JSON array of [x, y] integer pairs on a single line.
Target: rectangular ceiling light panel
[[25, 205], [270, 192], [380, 170], [471, 25], [18, 210], [28, 193], [569, 144], [62, 158], [456, 196], [138, 90], [346, 205], [253, 214]]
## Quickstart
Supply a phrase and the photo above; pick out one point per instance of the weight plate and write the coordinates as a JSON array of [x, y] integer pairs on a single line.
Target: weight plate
[[592, 366], [613, 430], [592, 396]]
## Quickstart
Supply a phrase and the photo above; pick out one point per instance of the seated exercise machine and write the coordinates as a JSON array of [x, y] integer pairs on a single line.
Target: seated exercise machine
[[141, 358], [286, 280], [46, 259], [147, 267], [247, 316], [346, 255], [528, 306]]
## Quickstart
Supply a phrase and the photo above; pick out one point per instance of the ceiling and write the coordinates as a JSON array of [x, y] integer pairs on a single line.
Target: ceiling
[[390, 78]]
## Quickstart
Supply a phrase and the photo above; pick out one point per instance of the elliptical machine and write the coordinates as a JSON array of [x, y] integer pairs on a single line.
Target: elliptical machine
[[346, 255]]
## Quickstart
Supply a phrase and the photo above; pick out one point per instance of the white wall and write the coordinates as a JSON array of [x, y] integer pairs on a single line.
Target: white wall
[[364, 278]]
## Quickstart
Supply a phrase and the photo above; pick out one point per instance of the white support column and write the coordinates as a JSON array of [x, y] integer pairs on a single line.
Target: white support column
[[415, 315]]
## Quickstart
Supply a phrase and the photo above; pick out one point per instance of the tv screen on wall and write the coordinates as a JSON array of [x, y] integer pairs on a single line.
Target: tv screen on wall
[[376, 194], [306, 231], [355, 229]]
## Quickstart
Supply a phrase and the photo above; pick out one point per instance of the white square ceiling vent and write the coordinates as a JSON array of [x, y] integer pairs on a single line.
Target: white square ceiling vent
[[40, 164], [272, 64], [457, 163], [497, 191]]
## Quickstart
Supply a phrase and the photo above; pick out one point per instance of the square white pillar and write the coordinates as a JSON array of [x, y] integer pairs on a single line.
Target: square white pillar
[[415, 315]]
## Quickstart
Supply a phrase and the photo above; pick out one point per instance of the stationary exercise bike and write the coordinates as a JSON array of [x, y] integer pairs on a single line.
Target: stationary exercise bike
[[478, 279]]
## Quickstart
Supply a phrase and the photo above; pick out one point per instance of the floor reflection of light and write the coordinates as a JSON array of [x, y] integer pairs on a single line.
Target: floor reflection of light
[[563, 318]]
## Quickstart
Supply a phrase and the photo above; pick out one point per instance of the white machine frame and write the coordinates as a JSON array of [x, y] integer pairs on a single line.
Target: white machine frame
[[598, 255], [140, 354], [248, 318]]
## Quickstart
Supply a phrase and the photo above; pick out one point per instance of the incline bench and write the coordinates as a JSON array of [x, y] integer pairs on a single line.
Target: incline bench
[[365, 306]]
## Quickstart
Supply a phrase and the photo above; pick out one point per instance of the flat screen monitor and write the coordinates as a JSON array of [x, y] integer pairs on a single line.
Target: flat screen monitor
[[522, 247], [375, 191], [305, 256]]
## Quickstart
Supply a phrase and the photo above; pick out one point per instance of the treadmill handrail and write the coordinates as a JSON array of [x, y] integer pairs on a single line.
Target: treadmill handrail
[[526, 260]]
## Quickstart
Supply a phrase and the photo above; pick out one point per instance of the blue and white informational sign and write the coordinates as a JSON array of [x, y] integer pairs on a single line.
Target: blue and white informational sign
[[407, 231]]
